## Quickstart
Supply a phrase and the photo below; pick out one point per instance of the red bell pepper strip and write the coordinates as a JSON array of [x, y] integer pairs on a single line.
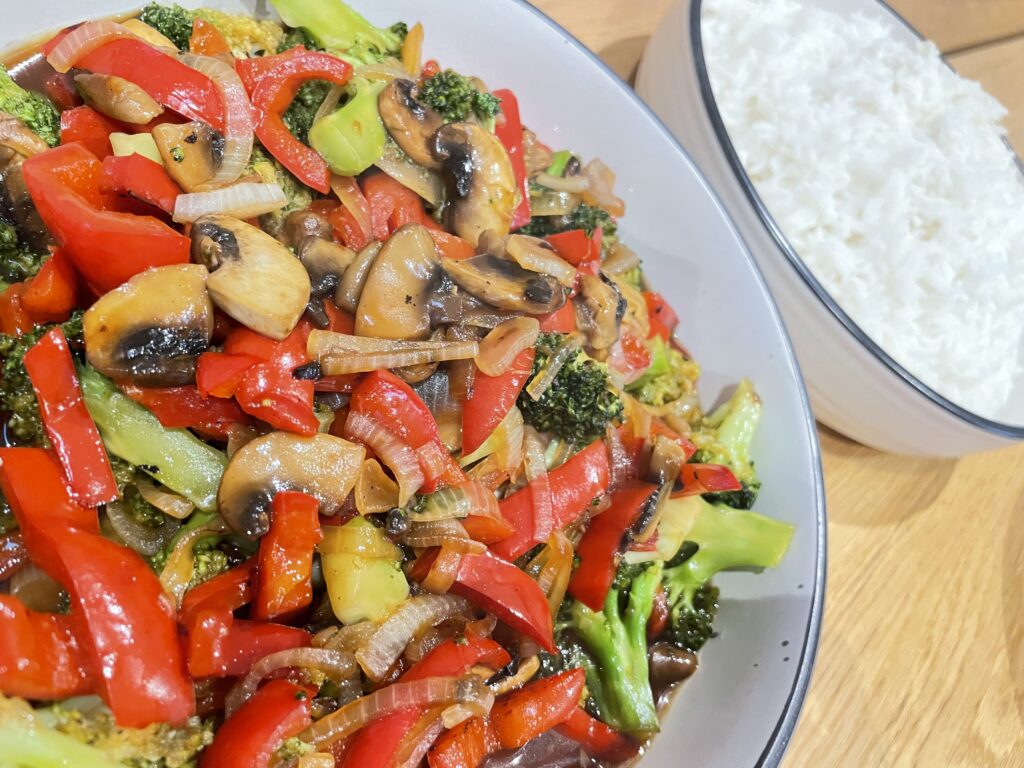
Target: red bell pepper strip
[[278, 398], [206, 40], [271, 96], [218, 374], [59, 88], [229, 590], [39, 656], [174, 84], [53, 292], [285, 559], [15, 320], [600, 741], [500, 588], [375, 745], [574, 246], [604, 540], [630, 357], [452, 246], [220, 645], [492, 399], [277, 711], [560, 321], [120, 613], [74, 435], [464, 746], [393, 205], [536, 708], [141, 178], [696, 479], [575, 484], [186, 408], [510, 133], [391, 402], [106, 247], [662, 319], [88, 126]]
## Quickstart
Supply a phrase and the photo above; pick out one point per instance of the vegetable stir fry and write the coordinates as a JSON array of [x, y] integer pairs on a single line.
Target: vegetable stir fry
[[340, 427]]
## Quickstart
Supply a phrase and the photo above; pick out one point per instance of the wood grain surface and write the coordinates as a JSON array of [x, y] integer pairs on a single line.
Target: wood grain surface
[[922, 656]]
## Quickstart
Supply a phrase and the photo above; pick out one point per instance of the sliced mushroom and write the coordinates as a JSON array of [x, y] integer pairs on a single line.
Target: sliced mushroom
[[482, 179], [506, 285], [151, 329], [669, 665], [118, 98], [192, 152], [17, 136], [323, 466], [299, 225], [602, 307], [411, 123], [354, 278], [323, 257], [254, 278], [395, 301]]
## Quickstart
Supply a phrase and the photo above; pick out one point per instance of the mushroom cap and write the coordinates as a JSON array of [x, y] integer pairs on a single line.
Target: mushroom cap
[[411, 123], [504, 284], [322, 465], [151, 329]]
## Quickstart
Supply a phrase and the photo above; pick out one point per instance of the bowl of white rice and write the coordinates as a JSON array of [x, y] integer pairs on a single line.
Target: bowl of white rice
[[878, 193]]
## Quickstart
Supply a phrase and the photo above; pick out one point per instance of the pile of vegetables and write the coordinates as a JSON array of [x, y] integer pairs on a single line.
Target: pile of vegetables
[[340, 428]]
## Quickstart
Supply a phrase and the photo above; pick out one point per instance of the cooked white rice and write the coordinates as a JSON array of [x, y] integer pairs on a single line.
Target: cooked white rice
[[889, 176]]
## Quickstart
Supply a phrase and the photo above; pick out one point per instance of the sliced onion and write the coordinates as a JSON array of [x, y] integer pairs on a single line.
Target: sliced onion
[[429, 692], [417, 743], [619, 464], [316, 760], [243, 201], [436, 394], [667, 457], [433, 534], [621, 259], [16, 135], [238, 122], [425, 642], [525, 671], [502, 345], [434, 458], [347, 639], [553, 568], [37, 590], [336, 665], [600, 189], [450, 503], [443, 571], [345, 363], [664, 494], [637, 415], [537, 256], [574, 184], [172, 504], [456, 714], [392, 451], [143, 538], [330, 103], [552, 203], [82, 40], [177, 571], [408, 620], [374, 490], [425, 182], [354, 201], [386, 69], [539, 485], [541, 382], [636, 315]]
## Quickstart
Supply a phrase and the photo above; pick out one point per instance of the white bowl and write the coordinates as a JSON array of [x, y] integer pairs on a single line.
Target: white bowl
[[740, 708], [856, 388]]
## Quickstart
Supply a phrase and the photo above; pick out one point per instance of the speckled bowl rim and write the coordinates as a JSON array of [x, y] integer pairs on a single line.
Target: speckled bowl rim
[[782, 242]]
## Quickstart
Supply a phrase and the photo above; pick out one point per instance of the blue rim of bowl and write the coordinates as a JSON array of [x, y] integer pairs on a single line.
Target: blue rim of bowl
[[718, 126], [784, 726]]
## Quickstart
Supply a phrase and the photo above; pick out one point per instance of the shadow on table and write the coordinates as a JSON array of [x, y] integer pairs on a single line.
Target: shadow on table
[[1013, 599], [885, 488], [623, 56]]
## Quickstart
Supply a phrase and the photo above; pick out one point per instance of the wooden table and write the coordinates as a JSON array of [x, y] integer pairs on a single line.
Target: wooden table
[[922, 654]]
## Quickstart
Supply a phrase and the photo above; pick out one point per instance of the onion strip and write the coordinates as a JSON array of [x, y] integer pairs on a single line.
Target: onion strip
[[82, 40], [336, 665], [169, 503], [503, 344], [573, 184], [433, 534], [396, 454], [144, 539], [538, 482], [243, 201], [412, 617], [353, 200], [177, 571], [239, 130], [428, 692]]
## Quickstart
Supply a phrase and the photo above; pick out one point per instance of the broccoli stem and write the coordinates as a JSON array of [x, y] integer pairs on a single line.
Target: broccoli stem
[[174, 457], [618, 642], [27, 741]]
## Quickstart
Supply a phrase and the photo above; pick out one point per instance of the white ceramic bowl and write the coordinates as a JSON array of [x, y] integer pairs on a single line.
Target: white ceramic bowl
[[856, 388], [740, 708]]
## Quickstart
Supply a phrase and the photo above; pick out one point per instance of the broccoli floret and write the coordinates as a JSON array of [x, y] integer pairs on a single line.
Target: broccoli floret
[[300, 113], [294, 37], [721, 538], [208, 562], [455, 98], [171, 21], [611, 646], [725, 437], [17, 262], [157, 746], [578, 405], [32, 109], [270, 171], [17, 397], [585, 217], [244, 34], [669, 376], [292, 749], [335, 27]]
